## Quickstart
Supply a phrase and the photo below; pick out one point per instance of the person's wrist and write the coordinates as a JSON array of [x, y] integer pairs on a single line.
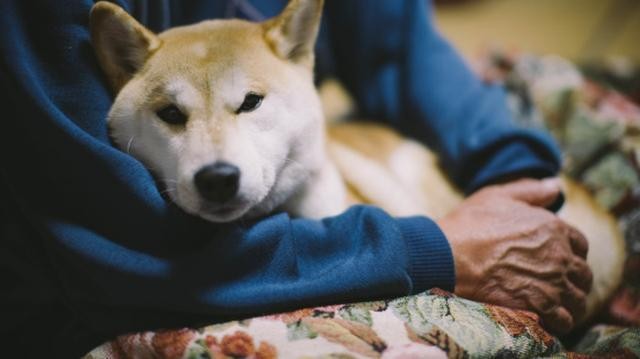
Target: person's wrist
[[430, 261], [448, 228]]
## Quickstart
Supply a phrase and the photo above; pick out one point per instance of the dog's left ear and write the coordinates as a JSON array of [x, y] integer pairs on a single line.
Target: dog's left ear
[[121, 43], [293, 33]]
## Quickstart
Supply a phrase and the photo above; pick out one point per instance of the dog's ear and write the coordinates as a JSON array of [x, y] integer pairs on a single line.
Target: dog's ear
[[293, 33], [122, 44]]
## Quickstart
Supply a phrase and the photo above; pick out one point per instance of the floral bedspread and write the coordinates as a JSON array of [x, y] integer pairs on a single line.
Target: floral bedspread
[[599, 131], [434, 324]]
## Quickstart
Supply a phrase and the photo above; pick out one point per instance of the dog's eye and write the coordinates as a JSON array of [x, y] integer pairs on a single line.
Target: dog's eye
[[251, 102], [172, 115]]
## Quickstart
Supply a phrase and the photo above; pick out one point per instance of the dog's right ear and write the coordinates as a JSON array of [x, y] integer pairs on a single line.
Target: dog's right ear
[[292, 34], [122, 44]]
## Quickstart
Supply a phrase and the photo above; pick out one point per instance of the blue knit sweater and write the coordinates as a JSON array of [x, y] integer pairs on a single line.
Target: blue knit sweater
[[90, 249]]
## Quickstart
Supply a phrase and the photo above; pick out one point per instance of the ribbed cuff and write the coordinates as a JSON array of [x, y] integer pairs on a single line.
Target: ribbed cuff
[[430, 258], [513, 160]]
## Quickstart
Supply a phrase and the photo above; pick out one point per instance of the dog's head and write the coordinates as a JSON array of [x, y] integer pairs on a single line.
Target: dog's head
[[224, 112]]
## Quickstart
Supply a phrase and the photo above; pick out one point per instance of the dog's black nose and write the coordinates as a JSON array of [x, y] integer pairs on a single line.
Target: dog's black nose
[[218, 182]]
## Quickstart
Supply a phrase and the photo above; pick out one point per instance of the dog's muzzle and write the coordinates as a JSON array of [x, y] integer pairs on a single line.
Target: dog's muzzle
[[218, 183]]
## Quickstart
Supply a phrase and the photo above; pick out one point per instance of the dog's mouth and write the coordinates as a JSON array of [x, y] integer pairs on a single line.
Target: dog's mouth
[[196, 205], [224, 212]]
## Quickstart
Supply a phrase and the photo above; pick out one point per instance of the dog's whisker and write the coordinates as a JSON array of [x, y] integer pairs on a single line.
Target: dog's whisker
[[292, 161], [169, 190], [129, 144]]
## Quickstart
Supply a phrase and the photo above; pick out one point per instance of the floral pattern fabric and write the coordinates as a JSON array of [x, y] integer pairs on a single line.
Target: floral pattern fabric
[[434, 324]]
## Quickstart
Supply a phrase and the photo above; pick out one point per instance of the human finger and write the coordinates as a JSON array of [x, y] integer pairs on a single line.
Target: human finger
[[543, 297], [574, 300], [558, 321], [534, 192], [580, 274], [579, 243]]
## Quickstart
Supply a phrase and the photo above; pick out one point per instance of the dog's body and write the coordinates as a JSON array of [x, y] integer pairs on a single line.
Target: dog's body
[[226, 115]]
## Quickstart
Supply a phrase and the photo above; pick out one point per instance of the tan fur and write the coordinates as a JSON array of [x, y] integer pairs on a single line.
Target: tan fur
[[225, 43], [144, 42], [289, 37], [214, 37]]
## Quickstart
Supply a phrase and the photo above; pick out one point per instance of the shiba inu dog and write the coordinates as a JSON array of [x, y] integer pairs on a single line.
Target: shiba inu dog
[[225, 113]]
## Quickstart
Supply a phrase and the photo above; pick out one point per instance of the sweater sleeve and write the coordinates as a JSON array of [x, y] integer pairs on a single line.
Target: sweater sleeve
[[402, 72], [120, 255]]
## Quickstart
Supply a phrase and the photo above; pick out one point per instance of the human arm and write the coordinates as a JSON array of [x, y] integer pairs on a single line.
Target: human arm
[[403, 73]]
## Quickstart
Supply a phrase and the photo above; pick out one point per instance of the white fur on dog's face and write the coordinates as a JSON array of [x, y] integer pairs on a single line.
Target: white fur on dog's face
[[206, 70]]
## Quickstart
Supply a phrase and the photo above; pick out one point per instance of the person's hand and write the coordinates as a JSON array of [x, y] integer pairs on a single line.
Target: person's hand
[[509, 250]]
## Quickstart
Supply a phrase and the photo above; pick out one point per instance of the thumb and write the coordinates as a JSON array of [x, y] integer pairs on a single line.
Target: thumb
[[541, 193]]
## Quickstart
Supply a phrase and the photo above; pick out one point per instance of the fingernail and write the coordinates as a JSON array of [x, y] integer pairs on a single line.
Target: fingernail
[[552, 183]]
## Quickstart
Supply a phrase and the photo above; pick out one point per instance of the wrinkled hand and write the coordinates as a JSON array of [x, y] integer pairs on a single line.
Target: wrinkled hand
[[509, 250]]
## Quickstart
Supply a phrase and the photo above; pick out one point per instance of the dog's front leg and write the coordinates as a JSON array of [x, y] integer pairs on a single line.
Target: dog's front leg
[[323, 195]]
